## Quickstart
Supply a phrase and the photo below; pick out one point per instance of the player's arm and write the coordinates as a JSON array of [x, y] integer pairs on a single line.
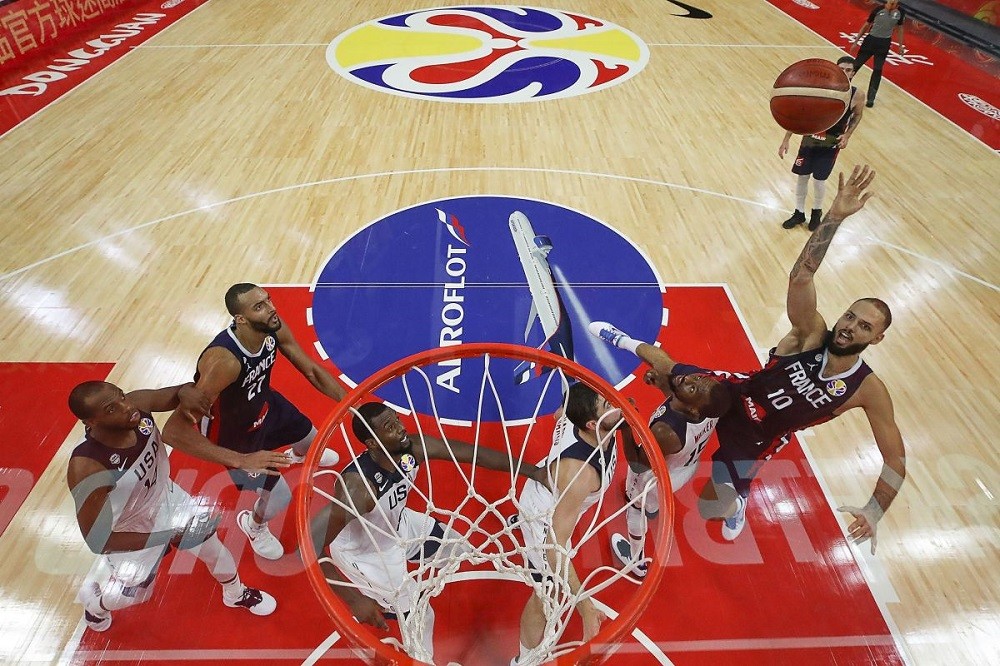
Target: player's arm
[[90, 483], [808, 326], [857, 110], [865, 28], [783, 148], [574, 481], [325, 527], [188, 398], [899, 33], [317, 375], [874, 398], [217, 369], [485, 457]]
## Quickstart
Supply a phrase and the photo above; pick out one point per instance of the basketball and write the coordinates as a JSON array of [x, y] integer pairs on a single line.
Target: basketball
[[810, 96]]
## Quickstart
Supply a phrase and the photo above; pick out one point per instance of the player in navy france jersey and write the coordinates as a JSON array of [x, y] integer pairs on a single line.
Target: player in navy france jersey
[[129, 510], [247, 415], [814, 374]]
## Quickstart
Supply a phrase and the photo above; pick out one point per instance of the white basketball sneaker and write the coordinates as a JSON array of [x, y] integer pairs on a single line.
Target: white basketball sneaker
[[622, 549], [256, 601], [96, 621], [328, 458], [262, 541], [607, 332], [731, 527]]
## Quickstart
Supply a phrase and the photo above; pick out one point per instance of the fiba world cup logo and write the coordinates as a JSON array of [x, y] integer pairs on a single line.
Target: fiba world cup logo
[[487, 54], [836, 387]]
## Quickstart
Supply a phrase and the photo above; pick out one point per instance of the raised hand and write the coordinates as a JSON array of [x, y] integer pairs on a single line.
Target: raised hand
[[851, 192]]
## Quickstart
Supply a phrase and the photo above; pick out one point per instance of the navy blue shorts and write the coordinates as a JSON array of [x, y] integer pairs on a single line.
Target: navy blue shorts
[[284, 425], [741, 452], [815, 160]]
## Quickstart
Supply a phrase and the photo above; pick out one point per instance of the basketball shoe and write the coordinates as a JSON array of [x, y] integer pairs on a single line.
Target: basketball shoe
[[256, 601], [797, 218], [607, 332], [731, 527], [329, 457], [262, 541], [815, 217], [100, 620], [623, 553]]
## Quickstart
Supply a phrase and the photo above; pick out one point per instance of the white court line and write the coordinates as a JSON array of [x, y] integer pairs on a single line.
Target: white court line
[[407, 172]]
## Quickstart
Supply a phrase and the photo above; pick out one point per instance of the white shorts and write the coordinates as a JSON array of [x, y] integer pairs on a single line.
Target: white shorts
[[382, 575], [137, 567], [535, 509]]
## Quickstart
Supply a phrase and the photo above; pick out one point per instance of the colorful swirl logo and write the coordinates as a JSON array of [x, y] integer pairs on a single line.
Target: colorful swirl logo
[[487, 54]]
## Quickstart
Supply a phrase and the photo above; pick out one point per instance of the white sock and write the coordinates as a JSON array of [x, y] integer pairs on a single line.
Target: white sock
[[801, 189], [232, 589], [819, 191], [635, 518]]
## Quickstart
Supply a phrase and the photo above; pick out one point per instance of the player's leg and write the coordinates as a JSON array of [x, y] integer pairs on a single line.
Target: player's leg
[[878, 61], [866, 51], [532, 627], [132, 577], [273, 496], [802, 168], [642, 493], [200, 539], [823, 162]]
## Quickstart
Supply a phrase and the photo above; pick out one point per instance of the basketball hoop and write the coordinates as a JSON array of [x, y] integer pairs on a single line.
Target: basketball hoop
[[479, 508]]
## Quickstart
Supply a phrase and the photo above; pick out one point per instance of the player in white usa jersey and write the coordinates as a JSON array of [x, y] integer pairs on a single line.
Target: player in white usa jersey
[[364, 527], [129, 510], [579, 469]]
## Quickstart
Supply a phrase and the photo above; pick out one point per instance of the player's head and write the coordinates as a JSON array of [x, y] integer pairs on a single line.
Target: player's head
[[376, 425], [846, 63], [697, 396], [103, 405], [251, 305], [589, 411], [864, 323]]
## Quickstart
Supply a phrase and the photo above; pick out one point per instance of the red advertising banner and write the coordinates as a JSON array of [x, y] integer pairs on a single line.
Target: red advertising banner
[[48, 47]]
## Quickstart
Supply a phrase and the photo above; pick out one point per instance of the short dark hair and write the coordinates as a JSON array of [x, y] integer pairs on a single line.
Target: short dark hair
[[845, 59], [883, 309], [233, 296], [581, 404], [362, 425], [80, 396]]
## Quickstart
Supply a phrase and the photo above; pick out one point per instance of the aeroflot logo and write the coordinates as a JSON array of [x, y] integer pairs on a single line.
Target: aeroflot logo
[[478, 269]]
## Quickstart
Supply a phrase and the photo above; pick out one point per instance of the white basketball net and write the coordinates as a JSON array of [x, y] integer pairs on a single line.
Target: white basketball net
[[477, 530]]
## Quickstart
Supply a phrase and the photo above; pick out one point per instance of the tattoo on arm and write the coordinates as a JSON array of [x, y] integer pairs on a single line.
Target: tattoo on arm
[[812, 254]]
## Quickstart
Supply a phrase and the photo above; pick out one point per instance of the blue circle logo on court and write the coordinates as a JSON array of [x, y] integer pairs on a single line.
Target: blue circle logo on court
[[487, 54], [482, 269]]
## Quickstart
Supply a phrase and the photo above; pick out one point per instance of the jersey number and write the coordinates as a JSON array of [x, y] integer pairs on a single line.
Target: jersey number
[[255, 389], [779, 400]]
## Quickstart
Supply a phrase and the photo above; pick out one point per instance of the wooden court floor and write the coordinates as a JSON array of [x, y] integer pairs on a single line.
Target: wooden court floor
[[227, 150]]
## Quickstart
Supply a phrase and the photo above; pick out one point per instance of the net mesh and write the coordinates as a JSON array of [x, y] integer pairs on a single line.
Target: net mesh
[[461, 520]]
